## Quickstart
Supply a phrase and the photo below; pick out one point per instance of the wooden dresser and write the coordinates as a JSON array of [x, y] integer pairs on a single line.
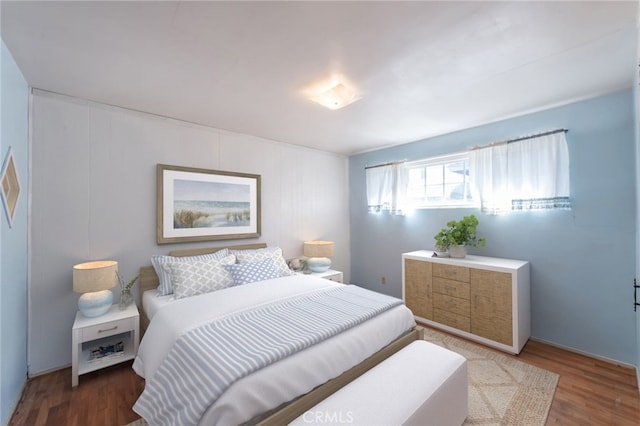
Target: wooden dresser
[[481, 298]]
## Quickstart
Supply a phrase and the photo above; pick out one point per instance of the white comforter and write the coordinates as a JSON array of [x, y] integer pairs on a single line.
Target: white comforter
[[279, 382]]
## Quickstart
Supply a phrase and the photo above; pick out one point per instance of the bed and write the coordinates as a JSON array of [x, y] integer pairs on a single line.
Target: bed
[[275, 393]]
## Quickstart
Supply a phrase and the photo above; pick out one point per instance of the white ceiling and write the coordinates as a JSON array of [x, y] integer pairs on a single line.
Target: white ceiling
[[422, 68]]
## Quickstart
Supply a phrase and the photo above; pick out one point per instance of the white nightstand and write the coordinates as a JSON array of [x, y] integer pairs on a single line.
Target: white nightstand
[[111, 328], [329, 274]]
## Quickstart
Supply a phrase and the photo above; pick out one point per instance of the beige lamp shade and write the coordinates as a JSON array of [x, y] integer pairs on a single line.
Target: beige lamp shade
[[318, 253], [95, 276], [318, 248]]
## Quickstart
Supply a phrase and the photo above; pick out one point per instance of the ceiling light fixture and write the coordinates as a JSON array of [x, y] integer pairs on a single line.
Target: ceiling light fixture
[[335, 97]]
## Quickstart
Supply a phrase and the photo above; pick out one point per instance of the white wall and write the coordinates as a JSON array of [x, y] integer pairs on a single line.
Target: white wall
[[94, 197]]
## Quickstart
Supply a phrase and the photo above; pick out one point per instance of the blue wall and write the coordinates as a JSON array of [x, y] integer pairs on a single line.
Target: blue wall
[[14, 129], [582, 261]]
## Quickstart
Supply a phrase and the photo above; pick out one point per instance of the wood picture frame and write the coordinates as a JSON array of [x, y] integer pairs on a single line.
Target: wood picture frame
[[204, 205], [10, 186]]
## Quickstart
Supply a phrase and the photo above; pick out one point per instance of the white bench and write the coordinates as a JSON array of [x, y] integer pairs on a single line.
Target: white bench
[[422, 384]]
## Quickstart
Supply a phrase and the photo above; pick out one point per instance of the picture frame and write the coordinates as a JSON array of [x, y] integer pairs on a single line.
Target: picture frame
[[196, 204], [10, 186]]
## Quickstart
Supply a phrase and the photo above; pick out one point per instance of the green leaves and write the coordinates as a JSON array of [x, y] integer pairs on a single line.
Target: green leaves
[[127, 286], [460, 232]]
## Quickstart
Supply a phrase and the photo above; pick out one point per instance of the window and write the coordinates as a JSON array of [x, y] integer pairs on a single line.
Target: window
[[386, 188], [439, 182], [526, 173]]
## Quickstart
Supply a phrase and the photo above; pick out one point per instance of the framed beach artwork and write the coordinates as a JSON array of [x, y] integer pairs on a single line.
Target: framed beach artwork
[[203, 205]]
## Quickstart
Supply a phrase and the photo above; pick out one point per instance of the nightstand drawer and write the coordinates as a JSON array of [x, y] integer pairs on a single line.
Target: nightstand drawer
[[330, 274], [106, 329], [337, 277]]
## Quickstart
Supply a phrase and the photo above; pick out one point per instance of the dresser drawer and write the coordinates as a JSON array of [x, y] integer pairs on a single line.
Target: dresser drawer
[[106, 329], [452, 304], [460, 322], [451, 272], [451, 288]]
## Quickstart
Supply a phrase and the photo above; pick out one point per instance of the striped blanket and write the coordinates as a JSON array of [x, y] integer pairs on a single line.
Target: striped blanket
[[205, 361]]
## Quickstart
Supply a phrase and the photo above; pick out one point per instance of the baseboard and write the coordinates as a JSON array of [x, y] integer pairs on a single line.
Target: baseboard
[[31, 375], [587, 354], [16, 403]]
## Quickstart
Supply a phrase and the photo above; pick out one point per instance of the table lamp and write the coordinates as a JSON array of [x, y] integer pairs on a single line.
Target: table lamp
[[94, 279], [318, 253]]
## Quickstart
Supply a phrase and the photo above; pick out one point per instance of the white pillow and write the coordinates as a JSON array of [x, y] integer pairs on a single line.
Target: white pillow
[[245, 273], [166, 287], [203, 276], [257, 255]]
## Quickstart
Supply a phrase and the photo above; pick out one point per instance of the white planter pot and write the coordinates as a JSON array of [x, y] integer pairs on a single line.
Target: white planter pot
[[458, 251]]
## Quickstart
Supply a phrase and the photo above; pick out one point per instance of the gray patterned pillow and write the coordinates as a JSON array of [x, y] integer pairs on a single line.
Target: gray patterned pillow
[[204, 276], [245, 273], [164, 276], [257, 255]]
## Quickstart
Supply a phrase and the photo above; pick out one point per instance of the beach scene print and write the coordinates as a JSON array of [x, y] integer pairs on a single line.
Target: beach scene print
[[200, 204]]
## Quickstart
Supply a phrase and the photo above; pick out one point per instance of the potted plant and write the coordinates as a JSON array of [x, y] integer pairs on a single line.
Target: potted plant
[[126, 298], [458, 235], [442, 243]]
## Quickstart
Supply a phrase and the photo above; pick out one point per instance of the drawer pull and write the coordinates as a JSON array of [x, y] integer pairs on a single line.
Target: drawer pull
[[115, 327]]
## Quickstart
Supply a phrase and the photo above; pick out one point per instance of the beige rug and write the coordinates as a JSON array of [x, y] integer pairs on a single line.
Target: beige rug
[[502, 390]]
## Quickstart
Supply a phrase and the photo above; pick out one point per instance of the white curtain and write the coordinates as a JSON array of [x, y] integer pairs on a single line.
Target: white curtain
[[387, 188], [488, 175], [531, 174]]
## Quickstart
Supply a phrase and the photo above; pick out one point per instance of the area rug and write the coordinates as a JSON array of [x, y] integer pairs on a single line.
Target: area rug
[[502, 390]]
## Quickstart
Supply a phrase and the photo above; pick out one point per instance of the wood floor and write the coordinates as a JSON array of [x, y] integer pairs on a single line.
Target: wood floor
[[104, 397], [590, 392]]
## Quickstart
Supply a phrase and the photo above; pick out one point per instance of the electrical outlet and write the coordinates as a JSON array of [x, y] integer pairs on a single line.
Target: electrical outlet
[[383, 280]]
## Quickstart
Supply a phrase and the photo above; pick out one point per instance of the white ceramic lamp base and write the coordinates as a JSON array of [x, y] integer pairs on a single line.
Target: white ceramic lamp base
[[95, 303], [318, 264]]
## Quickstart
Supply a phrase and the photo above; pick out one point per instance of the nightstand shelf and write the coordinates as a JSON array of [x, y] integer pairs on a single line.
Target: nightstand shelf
[[89, 334]]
